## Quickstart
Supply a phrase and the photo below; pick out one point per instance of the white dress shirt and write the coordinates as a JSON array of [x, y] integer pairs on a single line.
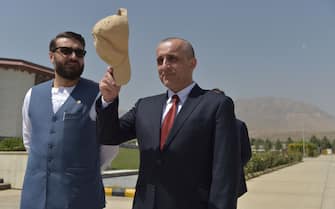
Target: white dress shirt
[[183, 94], [58, 97]]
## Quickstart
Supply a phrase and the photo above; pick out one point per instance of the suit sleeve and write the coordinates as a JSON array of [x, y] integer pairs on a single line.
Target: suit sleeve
[[226, 159], [112, 130], [246, 148]]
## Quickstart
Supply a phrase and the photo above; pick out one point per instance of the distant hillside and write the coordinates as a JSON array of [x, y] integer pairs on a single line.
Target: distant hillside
[[278, 117]]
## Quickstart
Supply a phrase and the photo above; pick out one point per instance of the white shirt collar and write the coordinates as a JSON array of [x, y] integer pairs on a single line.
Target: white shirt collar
[[59, 96], [64, 90], [182, 94]]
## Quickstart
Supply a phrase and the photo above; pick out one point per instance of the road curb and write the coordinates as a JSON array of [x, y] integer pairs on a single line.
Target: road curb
[[130, 192], [118, 173], [120, 192]]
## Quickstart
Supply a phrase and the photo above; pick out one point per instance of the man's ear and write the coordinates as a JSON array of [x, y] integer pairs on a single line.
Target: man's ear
[[52, 57], [193, 62]]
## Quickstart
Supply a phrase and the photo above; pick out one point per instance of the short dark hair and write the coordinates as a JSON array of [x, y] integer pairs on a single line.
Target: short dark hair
[[188, 46], [67, 34]]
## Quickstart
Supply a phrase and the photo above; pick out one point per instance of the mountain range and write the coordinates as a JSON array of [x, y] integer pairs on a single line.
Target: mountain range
[[280, 118], [272, 117]]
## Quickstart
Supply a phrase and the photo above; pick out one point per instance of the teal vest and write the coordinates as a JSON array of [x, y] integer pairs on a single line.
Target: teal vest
[[63, 169]]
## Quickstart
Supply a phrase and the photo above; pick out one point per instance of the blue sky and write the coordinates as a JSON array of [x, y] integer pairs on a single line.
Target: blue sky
[[249, 48]]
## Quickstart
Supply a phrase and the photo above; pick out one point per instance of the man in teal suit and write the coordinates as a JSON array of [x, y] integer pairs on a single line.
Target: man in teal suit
[[59, 133]]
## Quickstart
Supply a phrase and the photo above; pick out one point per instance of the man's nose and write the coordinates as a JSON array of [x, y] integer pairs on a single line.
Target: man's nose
[[166, 62], [73, 55]]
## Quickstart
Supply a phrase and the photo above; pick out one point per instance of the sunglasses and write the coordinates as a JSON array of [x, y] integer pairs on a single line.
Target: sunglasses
[[68, 51]]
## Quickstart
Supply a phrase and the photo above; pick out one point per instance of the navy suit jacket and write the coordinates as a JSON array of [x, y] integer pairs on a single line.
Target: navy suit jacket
[[199, 166], [243, 136]]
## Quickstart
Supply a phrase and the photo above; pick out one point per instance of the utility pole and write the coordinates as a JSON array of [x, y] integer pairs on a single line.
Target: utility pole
[[303, 138]]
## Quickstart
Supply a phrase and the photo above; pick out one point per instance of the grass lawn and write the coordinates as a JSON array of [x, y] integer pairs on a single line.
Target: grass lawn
[[126, 159]]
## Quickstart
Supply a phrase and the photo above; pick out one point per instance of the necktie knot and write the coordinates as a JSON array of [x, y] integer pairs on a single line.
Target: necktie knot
[[175, 99]]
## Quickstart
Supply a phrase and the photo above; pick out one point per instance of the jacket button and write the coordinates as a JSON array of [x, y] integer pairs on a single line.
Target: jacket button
[[54, 118], [159, 162]]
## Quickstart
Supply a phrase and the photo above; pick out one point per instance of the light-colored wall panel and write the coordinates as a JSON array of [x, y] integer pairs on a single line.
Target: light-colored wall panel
[[13, 167], [13, 87]]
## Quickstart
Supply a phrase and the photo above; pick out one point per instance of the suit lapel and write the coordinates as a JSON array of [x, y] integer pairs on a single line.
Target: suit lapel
[[156, 117], [190, 104]]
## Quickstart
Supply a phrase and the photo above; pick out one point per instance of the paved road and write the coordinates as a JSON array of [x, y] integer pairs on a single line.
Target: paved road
[[10, 199], [122, 181], [307, 185]]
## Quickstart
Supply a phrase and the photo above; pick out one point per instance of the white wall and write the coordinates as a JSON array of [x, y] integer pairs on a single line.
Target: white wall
[[13, 167], [13, 87]]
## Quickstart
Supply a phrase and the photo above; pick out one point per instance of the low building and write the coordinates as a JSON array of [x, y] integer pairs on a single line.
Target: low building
[[16, 77]]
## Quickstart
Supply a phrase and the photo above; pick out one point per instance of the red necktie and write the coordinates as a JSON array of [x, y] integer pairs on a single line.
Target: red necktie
[[168, 120]]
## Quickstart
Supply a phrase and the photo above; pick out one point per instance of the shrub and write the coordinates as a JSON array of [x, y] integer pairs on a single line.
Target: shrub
[[311, 150], [11, 144], [266, 160]]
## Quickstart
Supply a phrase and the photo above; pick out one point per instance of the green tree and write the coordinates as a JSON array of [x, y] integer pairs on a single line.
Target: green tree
[[325, 143], [333, 145], [289, 141], [278, 145], [259, 143], [252, 141], [311, 150], [267, 145], [315, 141]]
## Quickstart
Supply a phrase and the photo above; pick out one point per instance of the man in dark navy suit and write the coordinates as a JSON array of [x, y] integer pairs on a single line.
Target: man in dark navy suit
[[242, 133], [195, 164], [243, 136]]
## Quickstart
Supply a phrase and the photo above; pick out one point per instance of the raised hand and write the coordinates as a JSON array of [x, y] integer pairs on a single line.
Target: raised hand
[[108, 88]]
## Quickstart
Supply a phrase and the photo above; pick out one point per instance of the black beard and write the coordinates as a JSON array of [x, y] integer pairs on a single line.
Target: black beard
[[69, 72]]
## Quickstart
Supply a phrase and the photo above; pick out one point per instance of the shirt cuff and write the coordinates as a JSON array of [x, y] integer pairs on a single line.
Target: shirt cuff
[[104, 103]]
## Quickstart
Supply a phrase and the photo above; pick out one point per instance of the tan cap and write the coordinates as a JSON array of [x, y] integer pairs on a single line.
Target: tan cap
[[111, 36]]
